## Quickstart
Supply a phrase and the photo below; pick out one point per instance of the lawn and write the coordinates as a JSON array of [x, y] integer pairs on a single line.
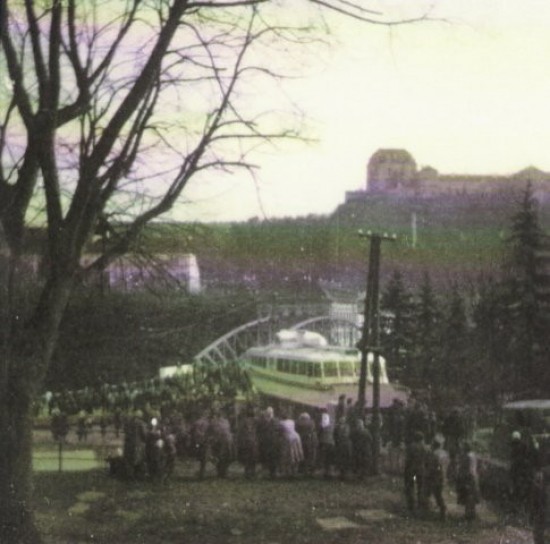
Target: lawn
[[78, 507], [48, 460]]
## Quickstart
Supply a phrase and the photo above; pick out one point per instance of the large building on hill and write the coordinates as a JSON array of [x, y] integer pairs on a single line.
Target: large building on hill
[[394, 171]]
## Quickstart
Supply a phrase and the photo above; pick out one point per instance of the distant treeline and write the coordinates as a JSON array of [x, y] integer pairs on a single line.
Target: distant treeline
[[126, 337]]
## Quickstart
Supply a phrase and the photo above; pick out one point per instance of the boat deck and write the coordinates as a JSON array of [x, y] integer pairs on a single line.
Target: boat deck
[[317, 398]]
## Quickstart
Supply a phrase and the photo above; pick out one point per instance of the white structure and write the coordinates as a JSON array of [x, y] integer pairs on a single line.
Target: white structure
[[175, 370], [345, 305], [131, 272]]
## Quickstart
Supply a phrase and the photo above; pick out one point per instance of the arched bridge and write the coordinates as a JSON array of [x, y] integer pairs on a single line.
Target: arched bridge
[[231, 346]]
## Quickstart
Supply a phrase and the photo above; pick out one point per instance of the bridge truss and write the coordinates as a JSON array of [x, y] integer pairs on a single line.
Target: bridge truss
[[231, 346]]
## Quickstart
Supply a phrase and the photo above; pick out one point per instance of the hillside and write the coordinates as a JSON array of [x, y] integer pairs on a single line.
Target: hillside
[[452, 237]]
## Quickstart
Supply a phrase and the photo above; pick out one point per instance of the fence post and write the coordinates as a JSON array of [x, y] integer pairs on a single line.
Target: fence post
[[60, 442]]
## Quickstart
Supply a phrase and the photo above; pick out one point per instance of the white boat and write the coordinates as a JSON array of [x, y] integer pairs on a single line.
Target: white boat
[[302, 368]]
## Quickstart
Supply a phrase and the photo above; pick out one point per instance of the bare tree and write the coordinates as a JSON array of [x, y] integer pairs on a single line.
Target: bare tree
[[111, 108]]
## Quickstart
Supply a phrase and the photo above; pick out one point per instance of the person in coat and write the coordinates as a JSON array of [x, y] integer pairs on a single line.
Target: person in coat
[[292, 453], [135, 434], [343, 447], [305, 427], [269, 441], [467, 487], [221, 443], [247, 442], [361, 448], [199, 443], [394, 433], [414, 473], [326, 443], [437, 460], [154, 451], [523, 466]]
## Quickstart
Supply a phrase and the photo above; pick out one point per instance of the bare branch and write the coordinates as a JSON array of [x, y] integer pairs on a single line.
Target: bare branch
[[39, 63], [355, 11], [227, 4], [130, 18], [15, 70]]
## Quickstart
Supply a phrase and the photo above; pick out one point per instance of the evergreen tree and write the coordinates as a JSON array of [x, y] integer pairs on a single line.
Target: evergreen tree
[[453, 373], [523, 279], [493, 320], [426, 333], [396, 337]]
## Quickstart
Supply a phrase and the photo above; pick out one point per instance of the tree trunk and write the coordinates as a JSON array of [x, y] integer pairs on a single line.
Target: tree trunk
[[16, 518], [25, 352], [17, 524]]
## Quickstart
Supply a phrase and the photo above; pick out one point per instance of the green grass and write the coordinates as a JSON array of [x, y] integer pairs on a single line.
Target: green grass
[[92, 507], [47, 460]]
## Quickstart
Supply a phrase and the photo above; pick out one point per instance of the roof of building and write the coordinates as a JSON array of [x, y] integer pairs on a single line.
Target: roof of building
[[392, 155], [532, 173]]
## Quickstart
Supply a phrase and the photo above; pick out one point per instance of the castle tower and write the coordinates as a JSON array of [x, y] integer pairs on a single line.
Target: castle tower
[[391, 171]]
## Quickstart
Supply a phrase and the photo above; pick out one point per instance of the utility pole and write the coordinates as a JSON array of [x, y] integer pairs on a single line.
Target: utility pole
[[371, 339]]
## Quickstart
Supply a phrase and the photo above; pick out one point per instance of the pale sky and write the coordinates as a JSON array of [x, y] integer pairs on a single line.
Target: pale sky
[[469, 93]]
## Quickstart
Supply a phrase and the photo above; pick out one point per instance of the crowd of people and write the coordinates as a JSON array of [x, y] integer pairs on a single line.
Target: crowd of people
[[257, 439], [429, 450], [177, 393], [432, 451]]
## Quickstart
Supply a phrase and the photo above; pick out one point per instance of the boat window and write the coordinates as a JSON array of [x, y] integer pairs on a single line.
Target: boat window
[[316, 370], [292, 367], [346, 369], [330, 368], [302, 368]]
